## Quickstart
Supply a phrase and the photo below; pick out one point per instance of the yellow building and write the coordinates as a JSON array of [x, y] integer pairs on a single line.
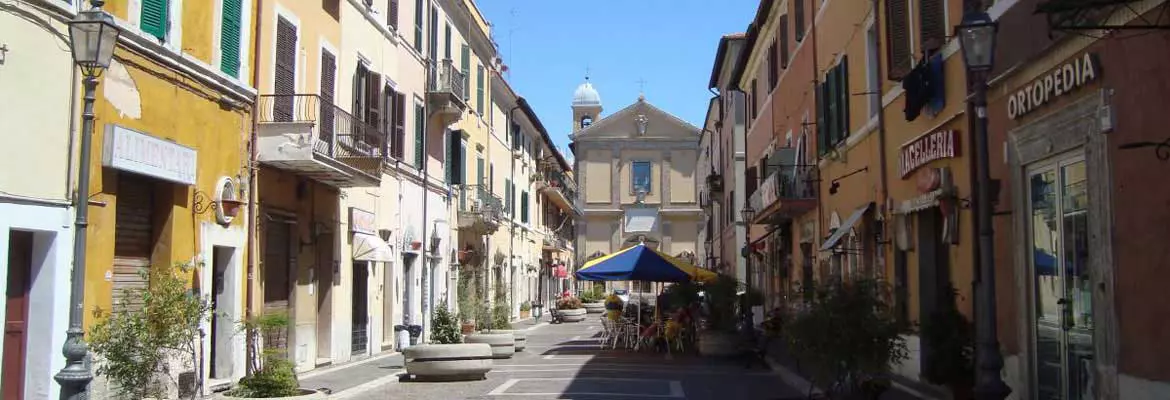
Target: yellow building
[[173, 119]]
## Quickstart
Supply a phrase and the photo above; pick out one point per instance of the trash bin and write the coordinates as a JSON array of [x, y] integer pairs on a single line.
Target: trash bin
[[410, 338]]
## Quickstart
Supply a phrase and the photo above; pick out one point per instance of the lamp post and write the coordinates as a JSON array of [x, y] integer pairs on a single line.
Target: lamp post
[[708, 251], [92, 37], [748, 214], [977, 38]]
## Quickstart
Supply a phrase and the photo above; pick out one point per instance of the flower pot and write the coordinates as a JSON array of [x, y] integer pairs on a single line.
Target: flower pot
[[524, 314], [448, 362], [467, 327], [306, 394], [573, 315], [415, 245], [503, 344], [595, 308]]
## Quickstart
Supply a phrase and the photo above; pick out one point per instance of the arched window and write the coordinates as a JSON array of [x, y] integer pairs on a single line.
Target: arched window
[[586, 121]]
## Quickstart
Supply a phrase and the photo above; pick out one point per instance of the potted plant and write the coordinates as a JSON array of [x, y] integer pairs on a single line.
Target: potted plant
[[270, 373], [854, 360], [594, 300], [155, 326], [525, 309], [719, 338], [444, 329], [952, 359], [571, 309]]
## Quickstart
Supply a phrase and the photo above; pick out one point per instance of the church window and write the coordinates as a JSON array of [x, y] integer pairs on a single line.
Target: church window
[[640, 176], [586, 121]]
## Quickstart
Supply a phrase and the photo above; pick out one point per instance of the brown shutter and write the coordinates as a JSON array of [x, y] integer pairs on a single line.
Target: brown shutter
[[843, 102], [373, 99], [284, 85], [133, 238], [773, 65], [932, 29], [897, 39], [784, 41], [387, 127], [399, 125], [798, 19], [328, 80], [392, 15]]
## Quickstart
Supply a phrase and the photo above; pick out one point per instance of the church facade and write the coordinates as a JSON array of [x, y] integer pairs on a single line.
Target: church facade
[[636, 170]]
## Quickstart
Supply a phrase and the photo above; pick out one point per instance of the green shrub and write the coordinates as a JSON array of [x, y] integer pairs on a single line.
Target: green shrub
[[271, 373], [526, 306], [949, 333], [136, 343], [444, 328]]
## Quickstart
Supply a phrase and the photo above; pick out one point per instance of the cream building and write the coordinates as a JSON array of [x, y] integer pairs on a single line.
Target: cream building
[[636, 168]]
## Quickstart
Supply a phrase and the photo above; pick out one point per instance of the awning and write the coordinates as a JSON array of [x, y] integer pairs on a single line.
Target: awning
[[368, 247], [845, 227]]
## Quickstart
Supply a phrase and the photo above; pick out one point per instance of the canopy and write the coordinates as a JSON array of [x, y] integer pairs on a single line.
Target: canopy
[[641, 263]]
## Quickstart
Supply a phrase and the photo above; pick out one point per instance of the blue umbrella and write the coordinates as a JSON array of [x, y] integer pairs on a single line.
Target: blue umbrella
[[641, 263]]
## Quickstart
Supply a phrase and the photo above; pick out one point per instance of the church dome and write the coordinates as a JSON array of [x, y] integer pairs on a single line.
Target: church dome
[[585, 95]]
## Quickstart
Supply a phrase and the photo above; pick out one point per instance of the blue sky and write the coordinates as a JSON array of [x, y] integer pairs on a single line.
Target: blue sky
[[547, 45]]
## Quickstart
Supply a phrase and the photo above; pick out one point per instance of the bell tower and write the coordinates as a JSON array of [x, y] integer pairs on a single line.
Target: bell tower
[[586, 106]]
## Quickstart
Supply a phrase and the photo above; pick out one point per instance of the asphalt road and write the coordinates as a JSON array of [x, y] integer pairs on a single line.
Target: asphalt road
[[564, 362]]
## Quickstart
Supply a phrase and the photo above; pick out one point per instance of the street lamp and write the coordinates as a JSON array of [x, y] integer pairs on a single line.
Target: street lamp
[[707, 251], [92, 36], [748, 214], [977, 39]]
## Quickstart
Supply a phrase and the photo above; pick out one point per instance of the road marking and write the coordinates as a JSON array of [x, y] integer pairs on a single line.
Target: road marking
[[574, 357], [368, 386], [638, 370], [575, 338], [676, 390]]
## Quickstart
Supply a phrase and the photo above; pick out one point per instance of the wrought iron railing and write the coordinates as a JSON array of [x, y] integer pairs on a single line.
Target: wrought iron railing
[[449, 79], [479, 200], [556, 180], [788, 182], [338, 134]]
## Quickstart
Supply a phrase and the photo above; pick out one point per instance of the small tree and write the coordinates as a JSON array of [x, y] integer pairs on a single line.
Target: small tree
[[501, 313], [271, 373], [445, 330], [137, 342]]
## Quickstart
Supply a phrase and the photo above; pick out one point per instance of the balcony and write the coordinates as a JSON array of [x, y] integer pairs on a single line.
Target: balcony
[[789, 191], [445, 96], [715, 182], [558, 189], [480, 212], [556, 242], [304, 135]]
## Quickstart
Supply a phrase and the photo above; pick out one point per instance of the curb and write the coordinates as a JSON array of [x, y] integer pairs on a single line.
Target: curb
[[391, 379]]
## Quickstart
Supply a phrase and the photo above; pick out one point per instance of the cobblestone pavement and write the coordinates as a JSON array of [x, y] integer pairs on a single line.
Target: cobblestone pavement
[[565, 362]]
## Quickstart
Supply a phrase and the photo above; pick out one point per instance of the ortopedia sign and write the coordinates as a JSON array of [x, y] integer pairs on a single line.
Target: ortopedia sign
[[1060, 81], [926, 148]]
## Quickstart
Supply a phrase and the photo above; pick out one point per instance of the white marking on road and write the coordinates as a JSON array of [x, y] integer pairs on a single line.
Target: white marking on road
[[574, 338], [366, 387], [590, 328], [574, 357], [676, 391], [591, 368]]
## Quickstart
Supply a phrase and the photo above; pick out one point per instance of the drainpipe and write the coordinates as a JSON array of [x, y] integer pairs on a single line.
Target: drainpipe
[[424, 267], [253, 193], [816, 81], [512, 173], [881, 121]]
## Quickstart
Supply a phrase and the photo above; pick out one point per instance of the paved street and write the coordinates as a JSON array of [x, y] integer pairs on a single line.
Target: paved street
[[564, 362]]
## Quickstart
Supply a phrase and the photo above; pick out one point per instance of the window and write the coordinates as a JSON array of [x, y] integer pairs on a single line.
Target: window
[[783, 41], [433, 44], [465, 67], [586, 121], [229, 38], [515, 136], [285, 73], [898, 52], [479, 89], [447, 42], [418, 25], [640, 180], [366, 95], [398, 137], [392, 15], [156, 18], [419, 131], [773, 64], [833, 107], [454, 168], [508, 197], [798, 19]]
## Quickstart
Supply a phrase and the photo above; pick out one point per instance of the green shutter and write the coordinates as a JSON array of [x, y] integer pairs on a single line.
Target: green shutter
[[418, 26], [465, 66], [229, 38], [419, 129], [155, 17], [449, 158], [843, 92], [479, 171], [479, 89], [508, 195], [822, 129], [524, 207]]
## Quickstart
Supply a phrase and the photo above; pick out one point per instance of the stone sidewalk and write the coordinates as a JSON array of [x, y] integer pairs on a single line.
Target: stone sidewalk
[[340, 378]]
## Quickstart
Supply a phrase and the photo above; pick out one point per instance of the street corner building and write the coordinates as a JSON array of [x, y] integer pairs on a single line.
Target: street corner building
[[637, 170]]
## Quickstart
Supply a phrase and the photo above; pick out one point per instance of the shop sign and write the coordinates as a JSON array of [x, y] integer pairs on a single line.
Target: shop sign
[[926, 148], [143, 154], [1060, 81], [362, 221]]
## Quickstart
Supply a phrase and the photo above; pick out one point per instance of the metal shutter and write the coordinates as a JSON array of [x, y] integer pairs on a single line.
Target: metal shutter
[[133, 238], [328, 81], [897, 39], [284, 85]]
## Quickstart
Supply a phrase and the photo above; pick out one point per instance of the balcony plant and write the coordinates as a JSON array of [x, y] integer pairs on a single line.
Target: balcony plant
[[158, 325], [853, 361]]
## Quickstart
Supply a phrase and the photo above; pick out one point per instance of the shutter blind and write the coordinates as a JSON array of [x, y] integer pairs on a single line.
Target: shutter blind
[[419, 117], [284, 85], [229, 38], [328, 73], [897, 39], [373, 103], [524, 207], [457, 158], [479, 89], [418, 26], [133, 239], [479, 171], [155, 18], [843, 102], [773, 64], [932, 29], [392, 15], [465, 64], [822, 121], [798, 18], [449, 157], [784, 41], [399, 126]]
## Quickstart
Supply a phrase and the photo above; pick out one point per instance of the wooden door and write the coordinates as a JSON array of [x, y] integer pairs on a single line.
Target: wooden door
[[16, 313]]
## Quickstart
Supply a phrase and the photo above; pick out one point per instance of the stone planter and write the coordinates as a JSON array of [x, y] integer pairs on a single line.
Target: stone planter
[[573, 314], [448, 362], [467, 327], [503, 344], [519, 335], [525, 314], [718, 344], [594, 308], [307, 395]]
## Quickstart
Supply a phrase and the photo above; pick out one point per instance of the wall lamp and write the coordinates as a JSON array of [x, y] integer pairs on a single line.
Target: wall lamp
[[836, 183]]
